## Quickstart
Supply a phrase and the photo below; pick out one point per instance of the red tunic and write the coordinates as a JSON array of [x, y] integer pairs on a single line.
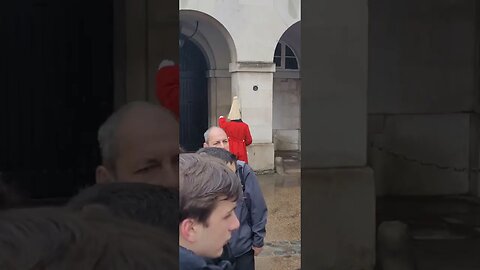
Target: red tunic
[[239, 137], [167, 88]]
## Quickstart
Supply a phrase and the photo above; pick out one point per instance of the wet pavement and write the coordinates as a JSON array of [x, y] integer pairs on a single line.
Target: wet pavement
[[282, 195], [282, 248], [445, 229]]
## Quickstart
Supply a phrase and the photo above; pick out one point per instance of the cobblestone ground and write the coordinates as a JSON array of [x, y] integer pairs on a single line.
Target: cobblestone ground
[[282, 243], [278, 263], [281, 248]]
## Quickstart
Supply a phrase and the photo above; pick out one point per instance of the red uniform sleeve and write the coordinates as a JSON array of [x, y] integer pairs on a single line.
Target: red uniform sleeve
[[222, 122]]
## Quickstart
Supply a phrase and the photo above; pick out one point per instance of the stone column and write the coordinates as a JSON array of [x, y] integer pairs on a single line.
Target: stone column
[[135, 50], [162, 39], [252, 82], [338, 196], [145, 33]]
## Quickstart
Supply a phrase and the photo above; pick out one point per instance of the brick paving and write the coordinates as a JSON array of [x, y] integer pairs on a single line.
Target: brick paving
[[281, 248]]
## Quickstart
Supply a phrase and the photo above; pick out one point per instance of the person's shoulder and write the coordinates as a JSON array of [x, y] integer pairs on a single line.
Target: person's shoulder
[[190, 261], [241, 163], [246, 168], [222, 265]]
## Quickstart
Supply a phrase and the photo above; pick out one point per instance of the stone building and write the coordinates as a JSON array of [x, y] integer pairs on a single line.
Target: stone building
[[246, 48]]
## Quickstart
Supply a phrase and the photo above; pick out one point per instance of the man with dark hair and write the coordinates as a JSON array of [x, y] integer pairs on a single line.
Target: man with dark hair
[[58, 239], [209, 191], [248, 240], [229, 158], [144, 203], [139, 143]]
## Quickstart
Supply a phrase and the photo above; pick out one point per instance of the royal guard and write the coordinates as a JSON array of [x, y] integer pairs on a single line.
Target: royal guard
[[238, 132], [167, 87]]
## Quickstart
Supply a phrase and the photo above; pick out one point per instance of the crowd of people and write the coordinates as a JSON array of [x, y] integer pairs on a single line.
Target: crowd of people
[[152, 207]]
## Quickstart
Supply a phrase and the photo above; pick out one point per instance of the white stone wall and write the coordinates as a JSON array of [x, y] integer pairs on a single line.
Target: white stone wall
[[286, 113], [256, 105], [286, 109], [244, 34], [267, 21]]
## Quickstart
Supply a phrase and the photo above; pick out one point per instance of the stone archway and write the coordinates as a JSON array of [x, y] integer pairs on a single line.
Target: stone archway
[[287, 92], [216, 45]]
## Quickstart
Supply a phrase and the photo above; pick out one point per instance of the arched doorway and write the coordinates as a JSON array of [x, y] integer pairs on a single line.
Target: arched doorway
[[193, 96], [218, 50], [287, 92]]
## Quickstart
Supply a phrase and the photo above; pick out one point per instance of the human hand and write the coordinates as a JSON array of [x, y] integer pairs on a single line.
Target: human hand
[[257, 250]]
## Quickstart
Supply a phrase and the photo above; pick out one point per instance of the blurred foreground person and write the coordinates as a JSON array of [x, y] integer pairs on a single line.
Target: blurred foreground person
[[139, 143], [145, 203], [57, 239]]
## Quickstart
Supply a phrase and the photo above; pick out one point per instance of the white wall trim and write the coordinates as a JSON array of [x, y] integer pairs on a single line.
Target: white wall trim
[[286, 74], [260, 67], [218, 73]]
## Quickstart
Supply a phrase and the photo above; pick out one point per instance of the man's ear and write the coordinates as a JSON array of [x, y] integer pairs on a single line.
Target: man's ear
[[103, 175], [188, 230], [205, 145]]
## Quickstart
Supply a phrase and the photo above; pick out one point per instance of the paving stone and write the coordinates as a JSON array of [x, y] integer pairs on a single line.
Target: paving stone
[[281, 248]]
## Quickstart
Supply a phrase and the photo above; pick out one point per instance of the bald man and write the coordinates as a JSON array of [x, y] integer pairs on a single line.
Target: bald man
[[139, 143], [216, 137]]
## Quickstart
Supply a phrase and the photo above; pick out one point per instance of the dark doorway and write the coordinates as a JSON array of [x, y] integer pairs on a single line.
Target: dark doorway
[[57, 88], [193, 97]]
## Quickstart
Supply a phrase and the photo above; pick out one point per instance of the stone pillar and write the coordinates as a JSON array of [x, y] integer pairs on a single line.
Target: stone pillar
[[252, 82], [219, 94], [145, 33], [135, 50], [338, 195], [162, 39]]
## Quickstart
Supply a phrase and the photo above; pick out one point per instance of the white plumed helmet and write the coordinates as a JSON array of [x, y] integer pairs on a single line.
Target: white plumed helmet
[[235, 111]]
